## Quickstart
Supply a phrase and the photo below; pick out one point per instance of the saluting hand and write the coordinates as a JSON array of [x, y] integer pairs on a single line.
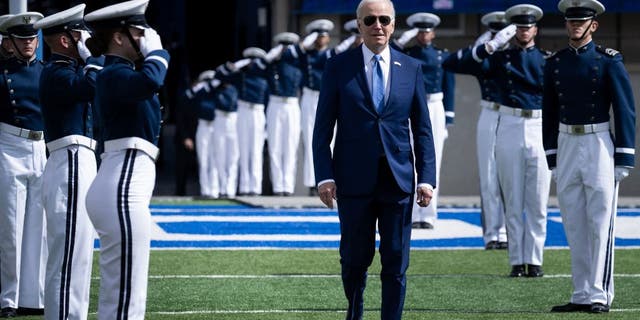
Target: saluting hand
[[327, 193]]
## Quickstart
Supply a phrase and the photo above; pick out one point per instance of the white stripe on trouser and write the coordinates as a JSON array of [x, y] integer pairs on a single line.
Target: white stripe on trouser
[[66, 179], [118, 205], [308, 107], [251, 136], [283, 136], [525, 181], [585, 184], [493, 223], [23, 251], [207, 170], [440, 134], [225, 146]]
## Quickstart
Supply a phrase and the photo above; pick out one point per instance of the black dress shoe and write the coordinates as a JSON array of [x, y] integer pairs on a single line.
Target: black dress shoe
[[287, 194], [517, 271], [491, 245], [415, 225], [571, 307], [503, 245], [599, 308], [30, 311], [278, 194], [8, 313], [426, 225], [534, 271]]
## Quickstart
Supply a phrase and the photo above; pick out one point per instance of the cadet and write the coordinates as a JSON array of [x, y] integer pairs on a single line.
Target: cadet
[[250, 79], [67, 87], [129, 108], [351, 26], [6, 50], [493, 224], [205, 111], [22, 161], [522, 167], [283, 112], [583, 83], [440, 88]]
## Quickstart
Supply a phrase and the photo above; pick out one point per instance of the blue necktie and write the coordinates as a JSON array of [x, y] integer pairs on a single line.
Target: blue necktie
[[378, 84]]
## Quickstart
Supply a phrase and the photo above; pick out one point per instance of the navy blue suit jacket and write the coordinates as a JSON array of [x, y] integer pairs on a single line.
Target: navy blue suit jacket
[[363, 135]]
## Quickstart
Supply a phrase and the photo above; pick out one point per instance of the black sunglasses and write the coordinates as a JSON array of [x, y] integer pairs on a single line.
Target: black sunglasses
[[369, 20]]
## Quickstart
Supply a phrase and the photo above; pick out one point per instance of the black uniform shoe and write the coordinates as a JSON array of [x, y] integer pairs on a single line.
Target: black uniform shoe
[[517, 271], [8, 313], [415, 225], [30, 311], [534, 271], [599, 308], [571, 307], [491, 245], [503, 245], [426, 225]]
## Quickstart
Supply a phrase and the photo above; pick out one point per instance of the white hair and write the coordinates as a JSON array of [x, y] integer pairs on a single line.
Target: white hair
[[364, 2]]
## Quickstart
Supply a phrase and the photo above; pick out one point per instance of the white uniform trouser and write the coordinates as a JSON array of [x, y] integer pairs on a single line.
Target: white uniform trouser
[[440, 134], [251, 136], [283, 136], [66, 179], [118, 205], [525, 181], [493, 223], [225, 145], [23, 251], [585, 184], [308, 107], [207, 170]]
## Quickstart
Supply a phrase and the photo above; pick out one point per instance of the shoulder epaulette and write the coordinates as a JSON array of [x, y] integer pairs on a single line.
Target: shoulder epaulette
[[61, 61], [607, 51]]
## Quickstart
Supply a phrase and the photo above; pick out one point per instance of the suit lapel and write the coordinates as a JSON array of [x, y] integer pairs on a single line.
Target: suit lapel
[[394, 73], [362, 79]]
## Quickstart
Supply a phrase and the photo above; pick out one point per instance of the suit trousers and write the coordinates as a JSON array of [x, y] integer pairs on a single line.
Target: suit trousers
[[585, 184], [66, 179], [493, 221], [23, 251], [390, 208]]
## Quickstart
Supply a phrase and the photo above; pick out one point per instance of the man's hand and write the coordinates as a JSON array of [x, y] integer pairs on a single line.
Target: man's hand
[[327, 193], [83, 51], [150, 42], [188, 144], [423, 196], [483, 38], [501, 38], [621, 173], [309, 40], [554, 175]]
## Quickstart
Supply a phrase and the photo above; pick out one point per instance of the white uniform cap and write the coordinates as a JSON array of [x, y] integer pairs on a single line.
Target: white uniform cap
[[286, 38], [423, 21], [4, 18], [70, 19], [580, 9], [253, 52], [495, 21], [129, 13], [207, 75], [352, 26], [21, 25], [523, 15], [321, 26]]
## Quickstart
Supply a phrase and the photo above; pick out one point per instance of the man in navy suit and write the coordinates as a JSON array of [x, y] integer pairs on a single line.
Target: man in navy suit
[[376, 97]]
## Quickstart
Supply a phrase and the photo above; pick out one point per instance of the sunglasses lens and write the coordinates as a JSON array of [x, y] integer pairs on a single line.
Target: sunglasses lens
[[369, 20], [384, 20]]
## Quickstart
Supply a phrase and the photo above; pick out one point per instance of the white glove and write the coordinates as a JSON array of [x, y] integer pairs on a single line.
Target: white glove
[[501, 38], [621, 173], [345, 44], [406, 37], [150, 42], [554, 175], [241, 63], [483, 38], [83, 51], [274, 53], [308, 41]]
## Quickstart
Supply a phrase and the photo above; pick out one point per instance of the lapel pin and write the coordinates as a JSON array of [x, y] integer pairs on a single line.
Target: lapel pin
[[397, 63]]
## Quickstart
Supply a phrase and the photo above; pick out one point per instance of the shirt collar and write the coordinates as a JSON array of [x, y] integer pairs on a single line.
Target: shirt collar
[[368, 54]]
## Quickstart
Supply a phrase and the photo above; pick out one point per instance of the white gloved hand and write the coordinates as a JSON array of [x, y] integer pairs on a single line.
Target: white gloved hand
[[501, 38], [483, 38], [149, 42], [307, 42], [554, 175], [621, 173], [83, 51], [345, 44], [406, 37], [241, 63], [274, 53]]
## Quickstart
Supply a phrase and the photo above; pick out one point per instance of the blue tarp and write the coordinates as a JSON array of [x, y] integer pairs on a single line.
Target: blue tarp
[[453, 6]]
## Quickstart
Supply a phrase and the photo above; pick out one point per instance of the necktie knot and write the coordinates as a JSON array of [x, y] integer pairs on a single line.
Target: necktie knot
[[377, 92]]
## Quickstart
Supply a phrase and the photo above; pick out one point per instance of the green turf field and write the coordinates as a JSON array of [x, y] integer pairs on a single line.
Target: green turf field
[[305, 284]]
